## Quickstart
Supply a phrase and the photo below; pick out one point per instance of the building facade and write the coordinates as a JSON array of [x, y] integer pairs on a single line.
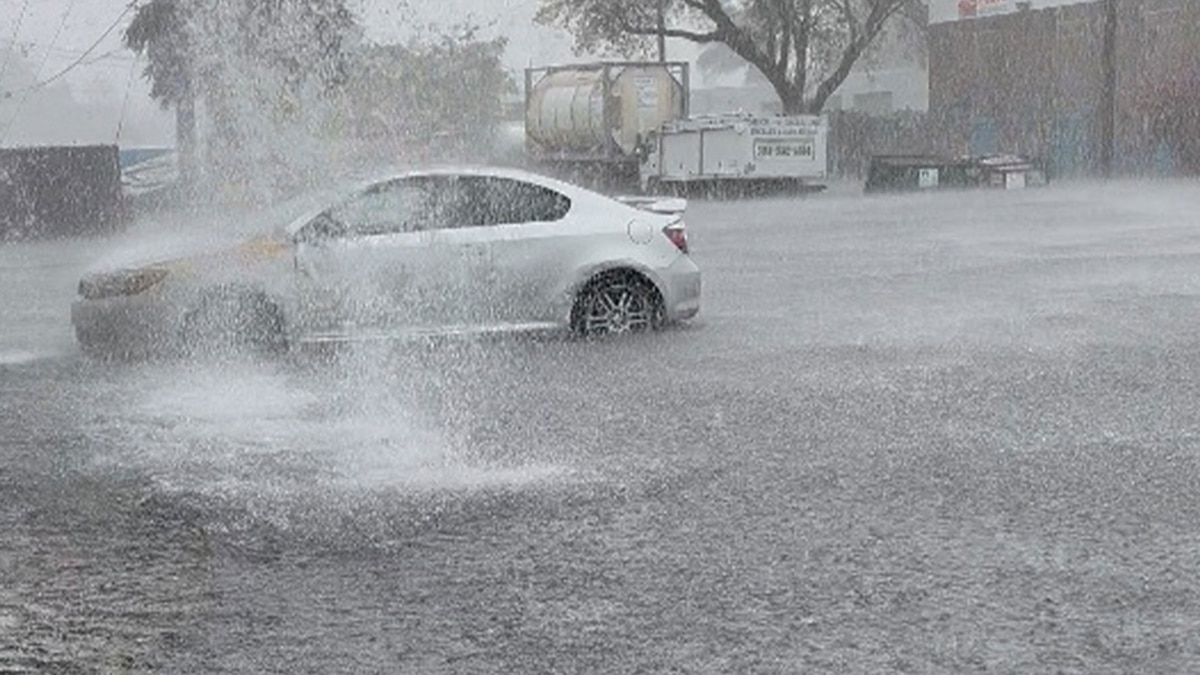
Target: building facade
[[874, 91], [1087, 85]]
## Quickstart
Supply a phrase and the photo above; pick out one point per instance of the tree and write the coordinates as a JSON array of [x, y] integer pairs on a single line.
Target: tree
[[804, 48], [302, 39], [298, 37], [456, 81], [251, 62], [159, 32], [448, 85]]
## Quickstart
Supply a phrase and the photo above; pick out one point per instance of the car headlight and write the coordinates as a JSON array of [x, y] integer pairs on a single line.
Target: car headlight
[[122, 282]]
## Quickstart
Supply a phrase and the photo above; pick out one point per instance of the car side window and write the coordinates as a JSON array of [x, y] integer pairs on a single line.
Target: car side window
[[386, 208], [441, 202], [446, 203], [504, 201]]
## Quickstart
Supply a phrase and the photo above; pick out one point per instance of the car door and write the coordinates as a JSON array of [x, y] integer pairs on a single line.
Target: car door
[[528, 254], [365, 265], [461, 251]]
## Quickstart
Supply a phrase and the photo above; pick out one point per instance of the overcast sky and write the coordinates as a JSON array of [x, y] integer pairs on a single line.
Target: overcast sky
[[49, 34]]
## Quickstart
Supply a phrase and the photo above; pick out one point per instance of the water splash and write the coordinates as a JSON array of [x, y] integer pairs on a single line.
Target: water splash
[[262, 432], [20, 357]]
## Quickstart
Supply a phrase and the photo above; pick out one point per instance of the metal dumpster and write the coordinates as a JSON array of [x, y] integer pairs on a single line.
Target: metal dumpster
[[903, 173]]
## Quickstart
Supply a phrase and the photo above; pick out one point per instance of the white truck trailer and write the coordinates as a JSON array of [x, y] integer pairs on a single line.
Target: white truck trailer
[[736, 151]]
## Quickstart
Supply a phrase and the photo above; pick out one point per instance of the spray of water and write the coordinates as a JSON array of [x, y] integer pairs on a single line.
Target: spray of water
[[372, 423], [263, 74]]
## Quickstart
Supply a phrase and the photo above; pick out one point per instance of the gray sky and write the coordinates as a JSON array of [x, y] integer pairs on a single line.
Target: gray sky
[[47, 35]]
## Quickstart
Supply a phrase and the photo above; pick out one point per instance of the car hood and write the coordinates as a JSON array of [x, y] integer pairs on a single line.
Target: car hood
[[205, 232]]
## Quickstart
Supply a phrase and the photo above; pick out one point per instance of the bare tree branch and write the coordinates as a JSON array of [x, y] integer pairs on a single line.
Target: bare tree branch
[[791, 42], [699, 38], [880, 12]]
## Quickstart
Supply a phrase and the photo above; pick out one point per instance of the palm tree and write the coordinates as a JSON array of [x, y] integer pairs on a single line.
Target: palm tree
[[159, 31], [299, 39]]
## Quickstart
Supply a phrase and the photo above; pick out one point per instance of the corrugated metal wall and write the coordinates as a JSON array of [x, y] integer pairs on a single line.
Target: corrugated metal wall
[[1033, 82]]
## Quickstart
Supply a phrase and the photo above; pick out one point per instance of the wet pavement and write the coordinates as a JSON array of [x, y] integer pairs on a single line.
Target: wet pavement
[[921, 433]]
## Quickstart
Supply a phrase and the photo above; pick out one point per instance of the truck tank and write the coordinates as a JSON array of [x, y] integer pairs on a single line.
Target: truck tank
[[600, 111]]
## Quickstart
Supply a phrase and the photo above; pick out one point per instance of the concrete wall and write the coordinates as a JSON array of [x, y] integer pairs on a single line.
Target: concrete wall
[[1158, 57], [882, 91], [875, 92]]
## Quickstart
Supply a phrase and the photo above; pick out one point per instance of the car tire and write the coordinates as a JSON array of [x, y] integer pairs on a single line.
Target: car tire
[[231, 321], [616, 303]]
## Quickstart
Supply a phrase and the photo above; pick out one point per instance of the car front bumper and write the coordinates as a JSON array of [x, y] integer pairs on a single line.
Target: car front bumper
[[126, 326]]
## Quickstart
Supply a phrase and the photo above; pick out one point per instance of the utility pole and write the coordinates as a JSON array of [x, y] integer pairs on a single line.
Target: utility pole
[[1108, 96], [662, 30]]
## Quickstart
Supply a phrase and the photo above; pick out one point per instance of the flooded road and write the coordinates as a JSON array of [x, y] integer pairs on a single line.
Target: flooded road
[[922, 433]]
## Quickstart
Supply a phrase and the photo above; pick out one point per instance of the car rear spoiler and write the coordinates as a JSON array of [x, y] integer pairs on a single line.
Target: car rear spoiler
[[665, 205]]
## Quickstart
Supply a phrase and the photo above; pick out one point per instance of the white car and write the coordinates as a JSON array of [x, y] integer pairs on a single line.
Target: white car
[[413, 253]]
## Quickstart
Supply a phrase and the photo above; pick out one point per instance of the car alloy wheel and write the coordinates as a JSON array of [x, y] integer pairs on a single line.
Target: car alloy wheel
[[618, 306]]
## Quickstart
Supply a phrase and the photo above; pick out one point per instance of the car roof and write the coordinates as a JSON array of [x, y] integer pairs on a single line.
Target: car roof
[[483, 171], [363, 181]]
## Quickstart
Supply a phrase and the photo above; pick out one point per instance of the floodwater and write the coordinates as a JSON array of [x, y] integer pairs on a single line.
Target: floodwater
[[948, 432]]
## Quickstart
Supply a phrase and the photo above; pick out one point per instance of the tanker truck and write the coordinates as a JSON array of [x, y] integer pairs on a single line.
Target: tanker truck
[[627, 124], [595, 119]]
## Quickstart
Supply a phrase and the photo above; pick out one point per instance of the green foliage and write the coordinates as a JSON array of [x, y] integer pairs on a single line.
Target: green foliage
[[602, 25], [447, 81], [158, 31], [301, 39], [452, 83]]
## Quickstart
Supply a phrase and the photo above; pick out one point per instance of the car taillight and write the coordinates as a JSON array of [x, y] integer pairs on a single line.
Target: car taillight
[[677, 233]]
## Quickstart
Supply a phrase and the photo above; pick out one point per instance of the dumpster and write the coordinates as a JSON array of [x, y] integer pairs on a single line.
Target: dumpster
[[903, 173]]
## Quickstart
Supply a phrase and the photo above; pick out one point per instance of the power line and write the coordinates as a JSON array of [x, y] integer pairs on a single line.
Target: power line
[[27, 47], [113, 58], [45, 57], [87, 52], [57, 34], [16, 31]]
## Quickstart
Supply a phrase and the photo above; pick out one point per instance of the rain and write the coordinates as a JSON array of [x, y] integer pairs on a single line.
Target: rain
[[936, 412]]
